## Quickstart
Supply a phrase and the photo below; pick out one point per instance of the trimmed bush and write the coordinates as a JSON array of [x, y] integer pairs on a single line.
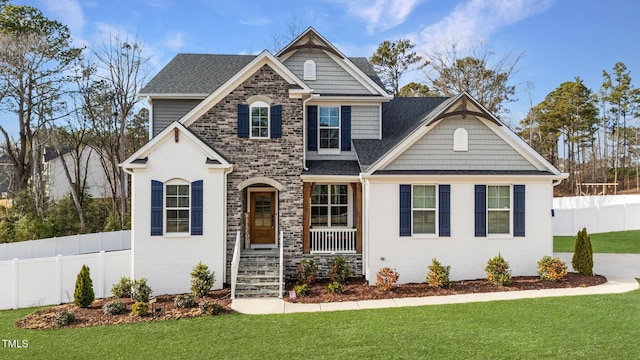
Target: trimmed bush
[[207, 307], [338, 270], [141, 291], [307, 271], [64, 318], [83, 295], [202, 280], [498, 271], [123, 288], [582, 260], [386, 278], [335, 288], [302, 290], [114, 307], [184, 301], [438, 275], [551, 268], [140, 308]]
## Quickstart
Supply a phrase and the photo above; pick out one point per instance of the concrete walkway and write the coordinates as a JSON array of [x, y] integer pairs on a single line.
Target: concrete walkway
[[620, 270]]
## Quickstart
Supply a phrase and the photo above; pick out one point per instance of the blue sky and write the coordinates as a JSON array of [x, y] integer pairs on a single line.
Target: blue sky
[[560, 39]]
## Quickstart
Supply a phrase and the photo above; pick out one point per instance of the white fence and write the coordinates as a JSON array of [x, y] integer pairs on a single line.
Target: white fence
[[51, 280], [67, 245], [597, 213]]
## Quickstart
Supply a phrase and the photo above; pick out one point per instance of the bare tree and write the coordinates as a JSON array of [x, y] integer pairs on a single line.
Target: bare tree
[[293, 26]]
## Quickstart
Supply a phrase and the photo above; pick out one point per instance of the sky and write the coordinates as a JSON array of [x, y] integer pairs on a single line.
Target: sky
[[558, 39]]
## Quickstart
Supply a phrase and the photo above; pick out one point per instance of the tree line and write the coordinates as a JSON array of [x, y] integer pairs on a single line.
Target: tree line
[[65, 98]]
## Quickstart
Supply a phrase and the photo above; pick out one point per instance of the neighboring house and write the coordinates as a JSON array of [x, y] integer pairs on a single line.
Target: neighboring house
[[90, 169], [307, 142]]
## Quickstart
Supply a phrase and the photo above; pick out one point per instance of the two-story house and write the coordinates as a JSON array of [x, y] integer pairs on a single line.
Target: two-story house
[[308, 144]]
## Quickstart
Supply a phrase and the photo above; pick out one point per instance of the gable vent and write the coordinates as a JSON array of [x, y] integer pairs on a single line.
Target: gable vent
[[309, 70], [460, 140]]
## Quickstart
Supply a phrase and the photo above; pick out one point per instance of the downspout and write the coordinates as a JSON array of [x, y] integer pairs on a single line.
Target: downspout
[[133, 237], [365, 227]]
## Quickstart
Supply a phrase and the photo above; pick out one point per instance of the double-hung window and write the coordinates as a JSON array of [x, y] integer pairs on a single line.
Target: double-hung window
[[329, 128], [498, 209], [259, 120], [177, 208], [424, 209], [329, 205]]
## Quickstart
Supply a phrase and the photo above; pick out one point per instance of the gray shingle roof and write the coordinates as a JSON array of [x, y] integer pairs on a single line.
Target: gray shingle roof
[[365, 66], [332, 167], [400, 117], [196, 73]]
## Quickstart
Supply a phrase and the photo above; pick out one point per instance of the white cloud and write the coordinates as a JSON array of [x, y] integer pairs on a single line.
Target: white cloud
[[69, 13], [174, 41], [475, 21], [256, 21], [380, 15]]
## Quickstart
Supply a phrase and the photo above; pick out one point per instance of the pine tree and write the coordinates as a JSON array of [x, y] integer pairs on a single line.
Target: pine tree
[[582, 261], [83, 296]]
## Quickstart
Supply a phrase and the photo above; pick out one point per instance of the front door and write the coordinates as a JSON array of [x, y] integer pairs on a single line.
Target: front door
[[263, 218]]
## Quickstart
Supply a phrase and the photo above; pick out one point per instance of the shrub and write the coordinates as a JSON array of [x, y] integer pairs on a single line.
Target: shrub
[[438, 275], [141, 291], [338, 270], [202, 280], [551, 269], [114, 307], [386, 278], [335, 287], [307, 271], [582, 260], [210, 308], [83, 295], [140, 308], [123, 288], [64, 318], [184, 301], [302, 290], [498, 271]]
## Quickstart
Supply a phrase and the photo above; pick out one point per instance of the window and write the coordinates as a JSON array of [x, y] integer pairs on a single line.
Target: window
[[424, 209], [329, 128], [329, 205], [259, 120], [177, 208], [498, 209]]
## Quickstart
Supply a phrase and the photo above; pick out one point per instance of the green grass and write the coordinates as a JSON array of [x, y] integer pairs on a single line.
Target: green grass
[[579, 327], [621, 242]]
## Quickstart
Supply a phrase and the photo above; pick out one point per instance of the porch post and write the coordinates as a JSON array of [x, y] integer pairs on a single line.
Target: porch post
[[306, 218], [358, 212]]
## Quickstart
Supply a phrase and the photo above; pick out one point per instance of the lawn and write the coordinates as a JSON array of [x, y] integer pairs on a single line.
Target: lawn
[[580, 327], [621, 242]]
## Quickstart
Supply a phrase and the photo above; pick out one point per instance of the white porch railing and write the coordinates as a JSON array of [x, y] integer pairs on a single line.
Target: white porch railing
[[235, 261], [333, 241], [281, 284]]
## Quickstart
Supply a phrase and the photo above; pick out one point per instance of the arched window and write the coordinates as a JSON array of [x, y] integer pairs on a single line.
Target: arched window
[[309, 70], [460, 140], [259, 112]]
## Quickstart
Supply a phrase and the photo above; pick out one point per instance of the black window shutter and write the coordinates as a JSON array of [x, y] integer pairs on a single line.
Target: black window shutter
[[156, 207], [444, 210], [345, 128], [312, 128], [196, 208], [243, 121], [276, 121], [405, 210], [481, 210], [518, 210]]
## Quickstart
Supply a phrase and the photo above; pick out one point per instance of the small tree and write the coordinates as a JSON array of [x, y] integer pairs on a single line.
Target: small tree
[[83, 296], [582, 260], [202, 280]]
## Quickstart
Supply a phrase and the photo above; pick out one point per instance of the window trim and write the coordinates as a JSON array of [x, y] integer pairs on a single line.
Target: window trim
[[510, 211], [330, 151], [166, 208], [436, 211], [259, 104], [329, 205]]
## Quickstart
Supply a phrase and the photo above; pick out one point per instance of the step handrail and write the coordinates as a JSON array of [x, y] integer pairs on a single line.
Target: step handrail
[[235, 262], [281, 283]]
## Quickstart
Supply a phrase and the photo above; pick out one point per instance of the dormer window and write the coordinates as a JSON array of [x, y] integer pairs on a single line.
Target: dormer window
[[259, 120], [460, 140], [309, 70]]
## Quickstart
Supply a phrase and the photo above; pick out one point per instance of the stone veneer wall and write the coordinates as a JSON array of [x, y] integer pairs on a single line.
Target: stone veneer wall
[[277, 159]]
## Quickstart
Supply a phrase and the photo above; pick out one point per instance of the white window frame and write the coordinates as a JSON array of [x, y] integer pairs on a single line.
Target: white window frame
[[330, 151], [434, 209], [259, 104], [509, 210], [309, 70], [166, 208], [329, 205]]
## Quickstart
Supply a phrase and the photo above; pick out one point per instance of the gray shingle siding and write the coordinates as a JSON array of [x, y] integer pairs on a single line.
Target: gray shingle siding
[[365, 122], [166, 111]]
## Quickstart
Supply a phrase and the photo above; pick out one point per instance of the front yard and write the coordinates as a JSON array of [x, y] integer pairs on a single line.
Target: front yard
[[619, 242]]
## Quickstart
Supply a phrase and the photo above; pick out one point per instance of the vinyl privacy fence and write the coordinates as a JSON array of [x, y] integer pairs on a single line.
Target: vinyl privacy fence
[[598, 214]]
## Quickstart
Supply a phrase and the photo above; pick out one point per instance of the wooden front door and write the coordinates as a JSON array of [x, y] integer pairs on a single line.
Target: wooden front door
[[263, 217]]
